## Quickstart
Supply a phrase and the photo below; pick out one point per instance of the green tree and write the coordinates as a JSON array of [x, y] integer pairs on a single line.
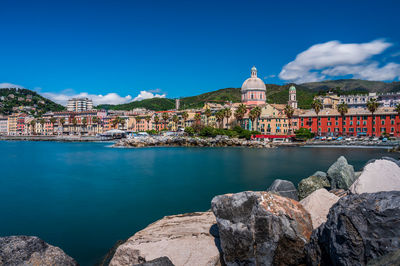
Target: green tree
[[207, 113], [228, 114], [317, 106], [197, 118], [33, 125], [156, 119], [342, 108], [220, 115], [185, 116], [62, 123], [175, 119], [165, 117], [372, 106], [42, 122], [240, 112], [289, 111]]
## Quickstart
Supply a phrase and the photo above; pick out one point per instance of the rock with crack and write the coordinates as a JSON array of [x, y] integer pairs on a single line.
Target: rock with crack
[[359, 229], [31, 250], [187, 239], [261, 228], [312, 183]]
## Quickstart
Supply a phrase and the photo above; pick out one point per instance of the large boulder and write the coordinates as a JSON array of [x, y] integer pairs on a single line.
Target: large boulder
[[312, 183], [284, 188], [261, 228], [31, 250], [318, 204], [380, 175], [341, 174], [162, 261], [187, 239], [359, 228]]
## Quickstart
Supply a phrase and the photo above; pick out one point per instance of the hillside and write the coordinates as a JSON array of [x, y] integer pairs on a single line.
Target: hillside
[[26, 101], [354, 85], [275, 94]]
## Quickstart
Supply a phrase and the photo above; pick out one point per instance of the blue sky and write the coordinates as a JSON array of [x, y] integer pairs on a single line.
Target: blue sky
[[115, 51]]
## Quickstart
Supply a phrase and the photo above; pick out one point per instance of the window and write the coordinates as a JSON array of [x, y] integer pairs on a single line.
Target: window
[[329, 123], [302, 124], [344, 129], [383, 129], [383, 122], [358, 123], [365, 117], [364, 123], [383, 116], [329, 129], [392, 122], [358, 118], [329, 119], [365, 129], [337, 123], [393, 117], [358, 129], [392, 129], [351, 129]]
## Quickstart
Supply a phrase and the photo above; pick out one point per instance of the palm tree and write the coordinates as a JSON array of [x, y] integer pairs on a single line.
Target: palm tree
[[62, 122], [74, 122], [116, 122], [342, 108], [289, 111], [207, 113], [372, 106], [33, 124], [84, 122], [175, 119], [95, 121], [185, 116], [317, 106], [252, 116], [148, 118], [156, 119], [257, 112], [197, 118], [165, 117], [240, 112], [220, 115], [138, 119], [228, 114]]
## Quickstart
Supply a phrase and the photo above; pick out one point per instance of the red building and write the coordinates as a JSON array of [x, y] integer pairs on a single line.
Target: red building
[[357, 121]]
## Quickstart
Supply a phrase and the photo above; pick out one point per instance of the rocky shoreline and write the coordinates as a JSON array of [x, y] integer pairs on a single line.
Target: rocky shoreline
[[184, 141], [337, 217]]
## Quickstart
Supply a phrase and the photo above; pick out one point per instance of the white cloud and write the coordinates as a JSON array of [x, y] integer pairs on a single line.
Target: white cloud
[[10, 85], [109, 98], [336, 59], [148, 95]]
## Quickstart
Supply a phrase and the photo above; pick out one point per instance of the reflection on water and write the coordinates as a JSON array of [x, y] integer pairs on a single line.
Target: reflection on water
[[84, 196]]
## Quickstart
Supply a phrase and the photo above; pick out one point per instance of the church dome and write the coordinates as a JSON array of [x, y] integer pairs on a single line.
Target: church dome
[[292, 88], [253, 83]]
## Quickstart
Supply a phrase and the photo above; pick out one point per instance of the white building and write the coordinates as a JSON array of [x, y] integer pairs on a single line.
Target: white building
[[3, 125], [79, 104]]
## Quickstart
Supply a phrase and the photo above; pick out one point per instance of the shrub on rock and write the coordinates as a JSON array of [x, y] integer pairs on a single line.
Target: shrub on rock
[[341, 174], [359, 229], [284, 188], [312, 183], [261, 228]]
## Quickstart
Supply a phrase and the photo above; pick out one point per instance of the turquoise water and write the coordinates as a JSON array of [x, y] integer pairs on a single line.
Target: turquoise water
[[83, 197]]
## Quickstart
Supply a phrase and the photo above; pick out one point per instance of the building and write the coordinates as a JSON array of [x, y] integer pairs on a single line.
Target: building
[[12, 124], [253, 90], [356, 122], [3, 125], [79, 104], [390, 99], [292, 97], [357, 101], [329, 101]]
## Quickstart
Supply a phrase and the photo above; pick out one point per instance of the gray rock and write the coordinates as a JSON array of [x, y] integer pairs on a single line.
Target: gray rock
[[261, 228], [341, 174], [284, 188], [390, 259], [312, 183], [359, 228], [162, 261], [31, 250]]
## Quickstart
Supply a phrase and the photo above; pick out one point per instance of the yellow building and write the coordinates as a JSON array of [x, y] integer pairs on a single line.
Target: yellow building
[[12, 124]]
